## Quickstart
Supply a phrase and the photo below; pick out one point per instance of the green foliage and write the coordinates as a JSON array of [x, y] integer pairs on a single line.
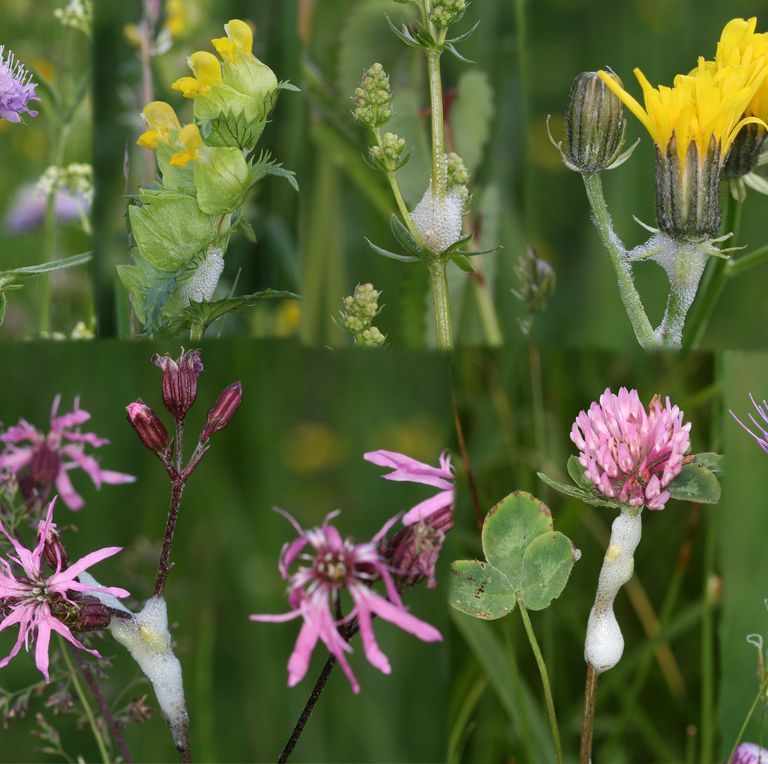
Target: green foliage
[[526, 561], [471, 116]]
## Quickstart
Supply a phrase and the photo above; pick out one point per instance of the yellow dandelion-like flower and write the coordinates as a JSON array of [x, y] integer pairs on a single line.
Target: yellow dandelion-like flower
[[161, 119], [239, 38], [191, 141], [207, 72], [705, 108]]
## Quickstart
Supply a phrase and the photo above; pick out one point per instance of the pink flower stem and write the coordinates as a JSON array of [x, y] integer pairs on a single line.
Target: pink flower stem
[[101, 702], [588, 723], [179, 474]]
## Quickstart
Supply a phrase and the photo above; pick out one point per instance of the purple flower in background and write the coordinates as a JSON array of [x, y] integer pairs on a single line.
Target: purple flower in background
[[16, 88], [762, 436], [412, 471], [41, 461], [334, 565], [28, 209], [629, 454], [749, 753], [30, 597]]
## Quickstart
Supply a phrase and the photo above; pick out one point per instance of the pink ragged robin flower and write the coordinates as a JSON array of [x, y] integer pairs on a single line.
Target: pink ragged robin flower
[[30, 598], [761, 434], [628, 453], [404, 468], [334, 565], [42, 461]]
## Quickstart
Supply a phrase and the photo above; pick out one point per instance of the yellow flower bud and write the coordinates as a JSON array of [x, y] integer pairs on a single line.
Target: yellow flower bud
[[191, 141], [239, 38], [161, 118], [207, 72]]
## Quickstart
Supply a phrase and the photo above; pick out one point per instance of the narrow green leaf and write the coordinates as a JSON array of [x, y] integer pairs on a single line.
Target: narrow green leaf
[[576, 471], [391, 255], [463, 262], [3, 307], [54, 265], [479, 590], [403, 236]]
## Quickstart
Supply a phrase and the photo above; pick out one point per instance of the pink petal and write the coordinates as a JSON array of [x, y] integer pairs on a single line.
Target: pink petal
[[23, 629], [108, 477], [401, 617], [13, 461], [279, 618], [42, 644], [298, 663], [60, 628], [76, 568], [66, 490], [408, 469], [372, 651], [428, 507]]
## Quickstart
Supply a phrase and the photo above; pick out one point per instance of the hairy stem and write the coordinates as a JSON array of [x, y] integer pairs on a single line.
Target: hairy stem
[[629, 294], [544, 681], [588, 722], [97, 734], [714, 277], [440, 303], [164, 565]]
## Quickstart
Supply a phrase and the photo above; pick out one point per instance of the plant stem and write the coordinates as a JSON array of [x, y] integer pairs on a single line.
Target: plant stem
[[440, 304], [706, 723], [436, 111], [86, 705], [101, 701], [629, 294], [49, 229], [588, 723], [742, 264], [760, 696], [714, 278], [309, 707], [544, 681]]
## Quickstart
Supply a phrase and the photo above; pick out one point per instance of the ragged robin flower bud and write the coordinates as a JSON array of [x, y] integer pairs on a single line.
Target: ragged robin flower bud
[[148, 427], [443, 13], [594, 124], [373, 98], [54, 552], [180, 381], [223, 410], [745, 151], [92, 616]]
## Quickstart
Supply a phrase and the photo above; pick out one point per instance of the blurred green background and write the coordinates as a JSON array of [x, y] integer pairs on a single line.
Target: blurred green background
[[297, 442], [52, 52]]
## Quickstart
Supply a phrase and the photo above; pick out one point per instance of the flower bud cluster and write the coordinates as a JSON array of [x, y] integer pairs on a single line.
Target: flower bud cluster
[[457, 175], [373, 98], [77, 14], [388, 154], [443, 13], [76, 178], [357, 316]]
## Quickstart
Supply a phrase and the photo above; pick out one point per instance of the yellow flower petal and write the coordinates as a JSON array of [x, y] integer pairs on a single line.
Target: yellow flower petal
[[225, 48], [206, 68], [161, 116], [151, 139], [190, 139], [241, 35], [188, 86]]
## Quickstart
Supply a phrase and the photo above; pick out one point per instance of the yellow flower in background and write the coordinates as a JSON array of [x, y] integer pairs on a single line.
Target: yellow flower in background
[[191, 141], [239, 38], [740, 45], [705, 107], [207, 72], [175, 17], [161, 119]]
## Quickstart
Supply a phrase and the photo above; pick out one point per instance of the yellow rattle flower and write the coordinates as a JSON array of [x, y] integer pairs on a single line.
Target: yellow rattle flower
[[161, 119], [239, 38], [190, 139], [207, 72]]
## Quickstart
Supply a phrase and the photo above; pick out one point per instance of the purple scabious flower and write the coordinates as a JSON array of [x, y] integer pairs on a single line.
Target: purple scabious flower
[[750, 753], [761, 436], [404, 468], [628, 453], [332, 566], [16, 88], [30, 597], [41, 461], [28, 208]]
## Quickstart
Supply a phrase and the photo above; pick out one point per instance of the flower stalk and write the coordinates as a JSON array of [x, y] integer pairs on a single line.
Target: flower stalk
[[441, 304]]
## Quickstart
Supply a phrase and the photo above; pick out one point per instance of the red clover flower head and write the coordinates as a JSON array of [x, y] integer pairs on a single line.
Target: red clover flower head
[[333, 565], [41, 461], [628, 453], [31, 596]]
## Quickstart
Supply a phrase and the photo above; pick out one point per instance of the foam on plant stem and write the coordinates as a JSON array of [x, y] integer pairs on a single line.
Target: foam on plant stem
[[201, 286], [146, 637], [439, 218], [604, 644]]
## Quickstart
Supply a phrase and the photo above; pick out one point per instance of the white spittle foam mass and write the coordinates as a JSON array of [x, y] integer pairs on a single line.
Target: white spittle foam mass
[[146, 637], [604, 644], [439, 218], [201, 286]]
